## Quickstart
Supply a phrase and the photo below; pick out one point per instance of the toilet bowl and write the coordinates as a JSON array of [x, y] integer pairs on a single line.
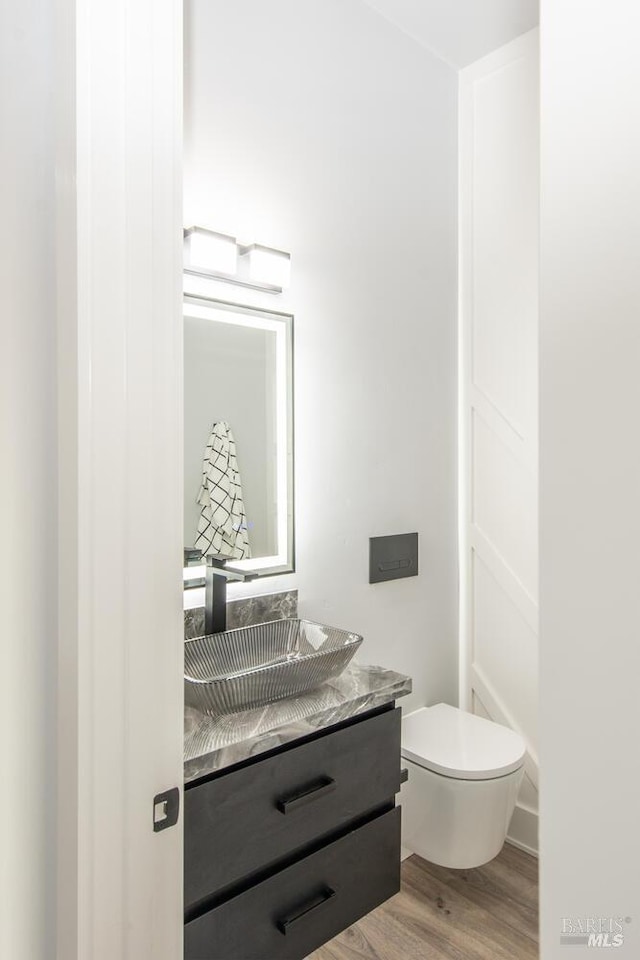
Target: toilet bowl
[[464, 777]]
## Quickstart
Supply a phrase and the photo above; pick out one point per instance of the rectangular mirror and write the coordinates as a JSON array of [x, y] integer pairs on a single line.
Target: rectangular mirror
[[238, 437]]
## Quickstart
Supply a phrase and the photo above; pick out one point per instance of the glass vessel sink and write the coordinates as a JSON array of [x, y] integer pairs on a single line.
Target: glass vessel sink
[[239, 669]]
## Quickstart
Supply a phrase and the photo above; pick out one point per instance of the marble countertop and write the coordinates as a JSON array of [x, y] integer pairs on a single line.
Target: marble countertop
[[212, 743]]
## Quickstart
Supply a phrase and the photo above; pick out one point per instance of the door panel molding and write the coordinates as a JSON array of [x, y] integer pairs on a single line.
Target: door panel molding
[[498, 385]]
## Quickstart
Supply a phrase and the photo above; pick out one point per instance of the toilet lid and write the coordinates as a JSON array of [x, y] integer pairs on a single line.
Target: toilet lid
[[460, 745]]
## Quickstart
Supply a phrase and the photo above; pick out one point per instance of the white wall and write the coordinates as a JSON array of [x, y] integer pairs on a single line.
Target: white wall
[[499, 203], [318, 128], [28, 498], [590, 467]]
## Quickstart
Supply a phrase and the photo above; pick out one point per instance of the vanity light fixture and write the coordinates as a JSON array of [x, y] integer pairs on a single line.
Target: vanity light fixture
[[267, 266], [218, 256], [211, 251]]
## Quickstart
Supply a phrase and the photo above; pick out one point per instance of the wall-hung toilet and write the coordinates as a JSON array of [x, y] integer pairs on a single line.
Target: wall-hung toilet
[[464, 776]]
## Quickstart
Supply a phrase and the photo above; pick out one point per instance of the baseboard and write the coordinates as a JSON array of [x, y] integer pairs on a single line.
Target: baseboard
[[523, 830]]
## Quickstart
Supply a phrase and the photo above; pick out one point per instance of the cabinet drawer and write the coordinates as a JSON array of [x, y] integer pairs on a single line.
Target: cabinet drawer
[[249, 819], [298, 909]]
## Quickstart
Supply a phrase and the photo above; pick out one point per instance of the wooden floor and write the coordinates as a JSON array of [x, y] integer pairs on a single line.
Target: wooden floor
[[488, 913]]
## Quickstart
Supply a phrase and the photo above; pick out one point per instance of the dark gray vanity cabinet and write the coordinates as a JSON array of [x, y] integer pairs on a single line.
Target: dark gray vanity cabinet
[[286, 850]]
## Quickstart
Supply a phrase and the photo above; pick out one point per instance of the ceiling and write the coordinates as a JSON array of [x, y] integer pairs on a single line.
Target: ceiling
[[460, 31]]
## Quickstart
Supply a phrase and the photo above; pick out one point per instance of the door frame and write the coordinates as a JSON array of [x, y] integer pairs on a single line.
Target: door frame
[[118, 105]]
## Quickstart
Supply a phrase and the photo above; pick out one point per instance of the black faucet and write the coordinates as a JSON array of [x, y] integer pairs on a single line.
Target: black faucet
[[215, 594]]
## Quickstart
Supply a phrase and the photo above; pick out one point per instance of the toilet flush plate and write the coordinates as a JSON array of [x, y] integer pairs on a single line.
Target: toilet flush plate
[[392, 558]]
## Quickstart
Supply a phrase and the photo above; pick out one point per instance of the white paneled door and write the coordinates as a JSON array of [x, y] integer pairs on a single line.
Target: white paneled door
[[499, 202], [119, 220]]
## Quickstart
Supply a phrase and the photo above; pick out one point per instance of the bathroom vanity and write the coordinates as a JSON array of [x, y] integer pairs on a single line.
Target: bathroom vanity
[[291, 827]]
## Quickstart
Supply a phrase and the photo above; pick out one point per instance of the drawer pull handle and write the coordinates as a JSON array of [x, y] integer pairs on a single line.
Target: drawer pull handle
[[404, 775], [316, 790], [287, 923]]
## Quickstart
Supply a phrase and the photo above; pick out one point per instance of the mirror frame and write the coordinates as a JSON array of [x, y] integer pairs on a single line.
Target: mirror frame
[[282, 324]]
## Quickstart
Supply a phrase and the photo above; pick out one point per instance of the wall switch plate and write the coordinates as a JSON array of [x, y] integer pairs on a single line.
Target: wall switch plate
[[392, 558]]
